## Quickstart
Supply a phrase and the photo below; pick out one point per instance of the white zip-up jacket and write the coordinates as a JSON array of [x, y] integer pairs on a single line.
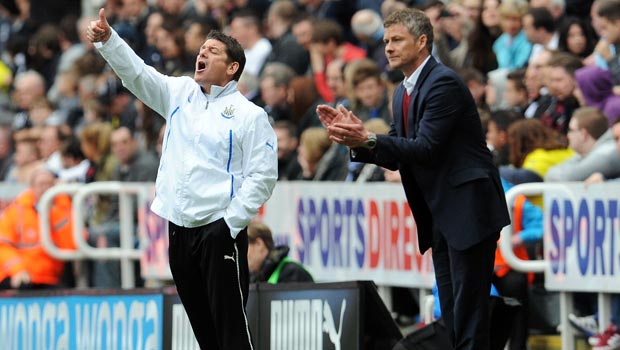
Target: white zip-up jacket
[[219, 156]]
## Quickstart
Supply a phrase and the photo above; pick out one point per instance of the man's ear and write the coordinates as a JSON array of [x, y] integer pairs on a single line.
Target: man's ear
[[502, 135], [232, 68], [261, 242], [422, 41]]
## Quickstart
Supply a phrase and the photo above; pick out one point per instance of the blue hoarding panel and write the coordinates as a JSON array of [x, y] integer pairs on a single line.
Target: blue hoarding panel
[[77, 322]]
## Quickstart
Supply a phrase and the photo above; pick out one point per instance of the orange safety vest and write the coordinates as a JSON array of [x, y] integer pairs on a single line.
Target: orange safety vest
[[20, 243], [501, 267]]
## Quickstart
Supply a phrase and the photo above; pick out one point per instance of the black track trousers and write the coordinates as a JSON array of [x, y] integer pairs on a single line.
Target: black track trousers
[[210, 270]]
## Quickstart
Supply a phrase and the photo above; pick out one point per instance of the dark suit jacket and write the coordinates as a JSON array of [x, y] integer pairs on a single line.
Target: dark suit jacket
[[447, 171]]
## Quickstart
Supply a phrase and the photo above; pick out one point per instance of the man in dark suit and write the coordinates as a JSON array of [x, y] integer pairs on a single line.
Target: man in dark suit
[[447, 172]]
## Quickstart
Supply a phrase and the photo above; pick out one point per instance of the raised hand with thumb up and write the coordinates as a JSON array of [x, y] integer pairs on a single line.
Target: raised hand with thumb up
[[99, 31]]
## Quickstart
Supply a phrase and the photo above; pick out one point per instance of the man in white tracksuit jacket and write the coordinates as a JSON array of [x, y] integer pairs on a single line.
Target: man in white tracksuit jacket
[[218, 166]]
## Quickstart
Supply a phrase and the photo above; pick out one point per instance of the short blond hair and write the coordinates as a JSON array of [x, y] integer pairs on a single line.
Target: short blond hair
[[98, 134], [513, 8], [316, 141]]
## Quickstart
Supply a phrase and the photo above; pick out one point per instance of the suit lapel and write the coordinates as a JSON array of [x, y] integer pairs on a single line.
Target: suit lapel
[[397, 104], [414, 121], [397, 109]]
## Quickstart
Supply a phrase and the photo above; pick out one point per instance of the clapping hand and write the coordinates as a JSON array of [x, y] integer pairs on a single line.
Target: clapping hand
[[329, 115], [342, 125]]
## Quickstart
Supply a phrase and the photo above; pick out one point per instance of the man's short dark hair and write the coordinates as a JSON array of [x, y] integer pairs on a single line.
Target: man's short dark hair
[[567, 61], [71, 147], [472, 74], [518, 77], [250, 16], [430, 4], [259, 230], [206, 23], [304, 16], [592, 120], [503, 118], [365, 69], [609, 9], [234, 51], [325, 30], [132, 131], [542, 18], [287, 125]]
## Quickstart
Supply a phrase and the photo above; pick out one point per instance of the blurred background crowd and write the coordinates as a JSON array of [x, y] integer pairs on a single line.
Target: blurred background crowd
[[529, 66]]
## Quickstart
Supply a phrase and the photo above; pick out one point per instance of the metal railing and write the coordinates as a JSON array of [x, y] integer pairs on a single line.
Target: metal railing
[[566, 297], [126, 253], [45, 204]]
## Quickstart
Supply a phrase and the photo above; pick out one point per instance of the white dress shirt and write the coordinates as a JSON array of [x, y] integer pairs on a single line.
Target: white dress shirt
[[410, 81]]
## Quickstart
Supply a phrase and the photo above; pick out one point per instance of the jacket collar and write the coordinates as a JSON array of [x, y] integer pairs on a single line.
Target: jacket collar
[[428, 67], [411, 81], [221, 91]]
